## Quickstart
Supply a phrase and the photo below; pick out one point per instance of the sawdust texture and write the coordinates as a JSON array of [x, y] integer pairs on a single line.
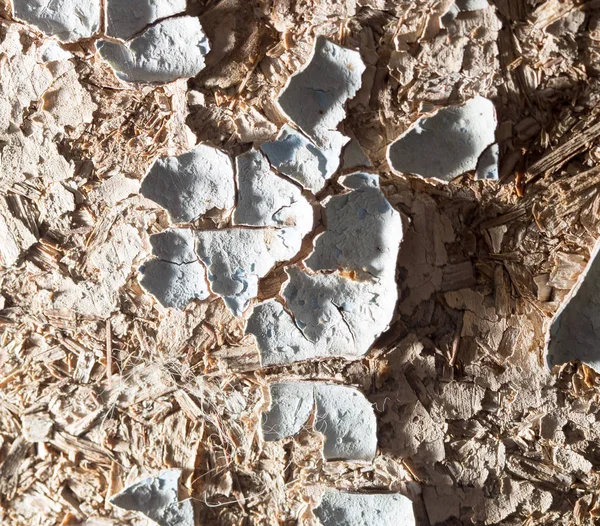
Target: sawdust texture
[[101, 386]]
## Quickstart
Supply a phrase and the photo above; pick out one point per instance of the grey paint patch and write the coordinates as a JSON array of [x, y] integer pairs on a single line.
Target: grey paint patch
[[67, 20], [339, 508], [472, 5], [343, 415], [575, 329], [236, 258], [265, 199], [173, 48], [314, 98], [446, 144], [296, 156], [174, 245], [354, 156], [125, 18], [333, 312], [156, 497], [192, 183], [487, 166]]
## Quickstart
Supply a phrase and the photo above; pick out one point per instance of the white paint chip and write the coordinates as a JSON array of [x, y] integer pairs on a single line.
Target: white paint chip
[[125, 18], [339, 508], [237, 258], [191, 184], [346, 298], [575, 329], [173, 48], [447, 143], [487, 166], [296, 156], [314, 98], [67, 20], [472, 5], [342, 414], [265, 199], [354, 156], [157, 498], [176, 277]]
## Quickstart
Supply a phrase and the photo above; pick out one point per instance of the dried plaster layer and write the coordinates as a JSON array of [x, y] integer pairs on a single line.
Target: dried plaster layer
[[345, 296], [575, 330], [342, 414], [126, 18], [447, 143]]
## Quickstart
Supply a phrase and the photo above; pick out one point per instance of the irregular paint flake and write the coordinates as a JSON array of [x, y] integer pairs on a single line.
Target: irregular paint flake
[[363, 230], [173, 48], [176, 277], [125, 18], [357, 509], [67, 20], [575, 329], [472, 5], [354, 156], [191, 184], [264, 199], [348, 300], [314, 98], [342, 414], [487, 166], [296, 156], [157, 498], [446, 144], [237, 258]]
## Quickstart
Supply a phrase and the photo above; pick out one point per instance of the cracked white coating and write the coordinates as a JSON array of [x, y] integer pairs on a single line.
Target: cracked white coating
[[236, 258], [157, 498], [342, 414], [67, 20], [487, 166], [297, 157], [191, 184], [339, 508], [346, 297], [175, 277], [314, 97], [125, 18], [446, 144], [265, 199], [171, 49], [574, 332]]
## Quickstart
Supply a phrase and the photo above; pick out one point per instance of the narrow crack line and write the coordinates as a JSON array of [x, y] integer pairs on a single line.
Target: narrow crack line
[[341, 311]]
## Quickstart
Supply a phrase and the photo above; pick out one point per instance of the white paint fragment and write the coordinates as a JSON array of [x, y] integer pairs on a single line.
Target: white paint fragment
[[487, 166], [52, 52], [342, 414], [354, 156], [447, 143], [125, 18], [472, 5], [363, 230], [575, 329], [157, 498], [67, 20], [265, 199], [296, 156], [191, 184], [314, 98], [237, 258], [173, 48], [359, 509], [175, 277], [346, 297]]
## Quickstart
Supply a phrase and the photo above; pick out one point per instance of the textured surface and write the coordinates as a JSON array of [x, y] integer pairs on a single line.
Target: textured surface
[[126, 18]]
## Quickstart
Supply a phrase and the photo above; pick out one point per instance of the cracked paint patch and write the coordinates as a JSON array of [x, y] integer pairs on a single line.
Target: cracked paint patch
[[189, 185], [157, 498], [342, 414], [171, 49], [446, 144], [125, 18], [67, 20], [339, 508], [346, 296], [487, 166], [575, 329]]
